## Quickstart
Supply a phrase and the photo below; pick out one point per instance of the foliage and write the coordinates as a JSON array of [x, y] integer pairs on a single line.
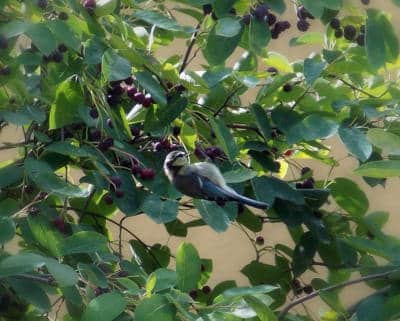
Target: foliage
[[83, 83]]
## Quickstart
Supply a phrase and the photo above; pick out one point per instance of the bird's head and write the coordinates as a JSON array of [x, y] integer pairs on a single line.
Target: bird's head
[[176, 159]]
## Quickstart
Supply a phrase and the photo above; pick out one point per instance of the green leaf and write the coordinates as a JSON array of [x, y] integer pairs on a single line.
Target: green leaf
[[46, 236], [114, 67], [165, 279], [105, 307], [250, 220], [7, 229], [11, 174], [387, 141], [212, 214], [105, 7], [371, 308], [161, 211], [228, 27], [264, 313], [239, 175], [84, 242], [14, 28], [259, 36], [65, 34], [188, 267], [64, 274], [42, 174], [309, 38], [64, 110], [20, 263], [130, 203], [312, 69], [8, 207], [176, 228], [349, 196], [169, 113], [246, 290], [356, 142], [381, 41], [68, 148], [312, 127], [42, 38], [388, 249], [379, 169], [315, 7], [267, 189], [215, 75], [161, 21], [32, 293], [219, 48], [225, 138], [259, 273], [304, 253], [261, 121], [155, 308], [152, 86]]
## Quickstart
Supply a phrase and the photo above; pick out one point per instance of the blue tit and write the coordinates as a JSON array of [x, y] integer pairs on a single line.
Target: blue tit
[[202, 180]]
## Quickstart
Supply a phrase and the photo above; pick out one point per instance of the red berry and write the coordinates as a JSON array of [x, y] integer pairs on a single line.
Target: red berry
[[108, 199], [288, 153], [136, 169], [89, 4], [59, 224], [131, 91], [147, 102], [147, 173], [116, 180], [165, 144]]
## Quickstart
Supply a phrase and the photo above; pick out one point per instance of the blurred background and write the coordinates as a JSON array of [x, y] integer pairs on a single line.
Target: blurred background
[[232, 250]]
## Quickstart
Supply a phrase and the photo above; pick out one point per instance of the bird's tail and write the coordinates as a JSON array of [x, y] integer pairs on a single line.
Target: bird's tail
[[234, 196]]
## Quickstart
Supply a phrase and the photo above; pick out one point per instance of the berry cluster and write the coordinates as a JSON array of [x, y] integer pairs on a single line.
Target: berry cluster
[[303, 14], [212, 152], [298, 288], [349, 32]]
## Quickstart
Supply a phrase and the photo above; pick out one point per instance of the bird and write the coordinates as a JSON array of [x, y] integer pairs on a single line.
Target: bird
[[202, 180]]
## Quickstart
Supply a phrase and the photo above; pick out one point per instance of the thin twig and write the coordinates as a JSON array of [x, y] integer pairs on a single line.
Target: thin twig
[[305, 298], [189, 49], [227, 100]]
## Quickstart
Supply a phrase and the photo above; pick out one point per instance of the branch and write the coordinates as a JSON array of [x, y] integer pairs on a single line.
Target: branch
[[189, 49], [305, 298], [227, 100]]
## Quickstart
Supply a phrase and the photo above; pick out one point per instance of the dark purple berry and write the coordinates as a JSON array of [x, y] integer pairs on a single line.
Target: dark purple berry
[[296, 284], [174, 147], [207, 9], [305, 170], [272, 70], [129, 81], [176, 130], [63, 15], [165, 144], [28, 189], [298, 291], [122, 274], [361, 40], [42, 4], [59, 224], [56, 56], [108, 199], [308, 289], [299, 185], [275, 33], [339, 33], [206, 289], [147, 102], [193, 294], [287, 87], [116, 180], [33, 210], [147, 173], [180, 88], [308, 183], [200, 154], [135, 131], [116, 90], [214, 16], [366, 2], [136, 169], [362, 28], [261, 11], [246, 19], [202, 268], [94, 134], [271, 19], [139, 97], [109, 123], [3, 42], [303, 25], [284, 25], [131, 91], [232, 11], [94, 113], [62, 48], [119, 193], [106, 143], [157, 146], [335, 23], [89, 4], [350, 32], [113, 100], [5, 71], [259, 240]]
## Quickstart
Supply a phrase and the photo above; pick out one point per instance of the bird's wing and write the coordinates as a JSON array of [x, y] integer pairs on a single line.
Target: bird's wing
[[209, 171]]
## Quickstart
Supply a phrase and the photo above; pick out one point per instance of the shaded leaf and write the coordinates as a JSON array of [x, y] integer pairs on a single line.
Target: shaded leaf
[[188, 267], [105, 307]]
